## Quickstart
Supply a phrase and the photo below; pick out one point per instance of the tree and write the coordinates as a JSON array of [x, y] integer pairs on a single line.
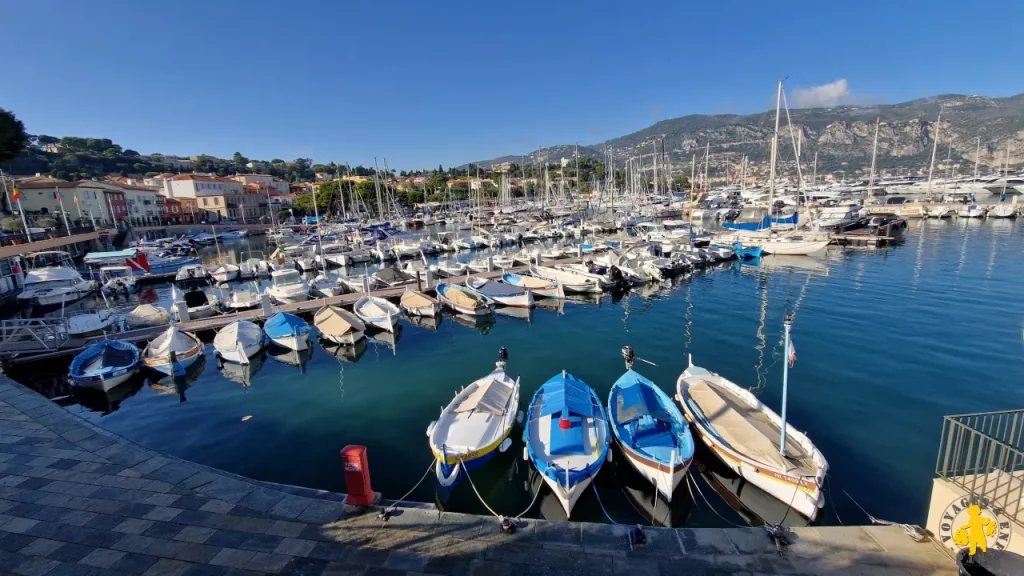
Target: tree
[[44, 140], [437, 180], [239, 159], [12, 136], [130, 153]]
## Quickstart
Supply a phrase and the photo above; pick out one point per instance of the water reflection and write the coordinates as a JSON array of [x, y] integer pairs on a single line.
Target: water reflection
[[481, 324], [243, 373], [106, 402], [295, 358]]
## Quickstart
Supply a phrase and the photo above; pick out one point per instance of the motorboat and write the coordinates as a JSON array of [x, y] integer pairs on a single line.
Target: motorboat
[[224, 273], [253, 268], [288, 286], [90, 322], [104, 365], [972, 211], [650, 429], [377, 312], [245, 298], [419, 304], [746, 435], [566, 436], [147, 315], [393, 277], [326, 286], [571, 280], [359, 282], [172, 352], [940, 211], [463, 301], [191, 275], [475, 425], [199, 304], [479, 265], [1004, 210], [117, 280], [239, 341], [288, 331], [538, 286], [55, 284], [501, 293], [338, 325], [452, 268]]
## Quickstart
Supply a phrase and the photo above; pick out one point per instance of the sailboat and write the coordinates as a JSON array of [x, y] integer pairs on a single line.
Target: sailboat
[[752, 439], [475, 425]]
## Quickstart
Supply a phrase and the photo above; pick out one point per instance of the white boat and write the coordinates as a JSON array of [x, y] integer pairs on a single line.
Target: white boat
[[359, 282], [393, 277], [462, 300], [326, 286], [791, 246], [538, 286], [501, 293], [338, 325], [377, 312], [475, 425], [452, 268], [745, 434], [53, 285], [941, 211], [245, 298], [191, 274], [252, 268], [288, 331], [172, 352], [90, 322], [146, 315], [419, 304], [478, 265], [1003, 210], [571, 280], [225, 273], [288, 286], [117, 280], [972, 211], [200, 305], [239, 341]]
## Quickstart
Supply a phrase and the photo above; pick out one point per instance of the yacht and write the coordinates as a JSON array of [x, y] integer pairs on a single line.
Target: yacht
[[54, 283]]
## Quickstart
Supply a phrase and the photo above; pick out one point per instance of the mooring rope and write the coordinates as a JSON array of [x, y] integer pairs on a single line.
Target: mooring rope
[[402, 499], [694, 482], [606, 515], [915, 532], [482, 501]]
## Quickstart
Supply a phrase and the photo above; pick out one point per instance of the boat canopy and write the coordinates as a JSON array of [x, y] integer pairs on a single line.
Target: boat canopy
[[636, 400], [413, 299], [96, 257], [459, 296], [393, 275], [566, 392], [284, 324], [490, 397], [335, 321]]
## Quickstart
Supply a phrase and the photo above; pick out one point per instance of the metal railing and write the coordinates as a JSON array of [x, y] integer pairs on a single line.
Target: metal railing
[[49, 333], [984, 454]]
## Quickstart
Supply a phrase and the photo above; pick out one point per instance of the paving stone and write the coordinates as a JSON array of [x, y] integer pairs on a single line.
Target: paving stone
[[199, 553], [217, 506], [320, 511], [232, 558], [18, 525], [166, 548], [35, 566], [40, 547], [409, 561], [261, 499], [15, 542], [290, 506], [304, 567], [341, 569], [105, 522], [295, 547], [195, 534], [134, 563], [163, 500], [163, 530], [366, 556], [71, 552], [165, 567], [479, 567], [705, 541], [267, 562], [193, 517], [286, 529], [133, 526], [133, 543], [332, 552], [102, 558], [261, 542], [227, 538], [206, 570]]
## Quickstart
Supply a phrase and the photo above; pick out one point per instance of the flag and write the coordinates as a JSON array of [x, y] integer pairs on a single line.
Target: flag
[[791, 354], [16, 195], [74, 199]]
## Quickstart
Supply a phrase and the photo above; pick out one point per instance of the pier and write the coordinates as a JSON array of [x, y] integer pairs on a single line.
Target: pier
[[77, 499]]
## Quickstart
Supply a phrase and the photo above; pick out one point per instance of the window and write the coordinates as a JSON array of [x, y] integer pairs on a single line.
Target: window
[[204, 202]]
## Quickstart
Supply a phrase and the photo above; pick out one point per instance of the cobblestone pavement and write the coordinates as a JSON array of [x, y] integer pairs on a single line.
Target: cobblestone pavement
[[76, 500]]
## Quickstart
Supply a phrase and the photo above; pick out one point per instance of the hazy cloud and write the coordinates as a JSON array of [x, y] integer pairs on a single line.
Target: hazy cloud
[[824, 96]]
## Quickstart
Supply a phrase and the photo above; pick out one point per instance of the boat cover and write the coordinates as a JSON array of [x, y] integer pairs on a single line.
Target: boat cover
[[526, 281], [413, 299], [173, 339], [335, 321], [393, 275], [490, 396], [285, 324], [495, 289], [103, 358], [147, 315], [459, 296], [566, 392], [238, 332]]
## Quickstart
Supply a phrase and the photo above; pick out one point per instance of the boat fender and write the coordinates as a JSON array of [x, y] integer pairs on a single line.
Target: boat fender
[[608, 456], [505, 445], [519, 417], [430, 428], [526, 454]]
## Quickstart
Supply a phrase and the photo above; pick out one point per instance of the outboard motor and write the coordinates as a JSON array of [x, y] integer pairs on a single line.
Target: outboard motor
[[628, 355], [502, 357]]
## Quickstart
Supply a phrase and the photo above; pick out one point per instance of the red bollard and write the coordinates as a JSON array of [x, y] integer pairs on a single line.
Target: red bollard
[[357, 476]]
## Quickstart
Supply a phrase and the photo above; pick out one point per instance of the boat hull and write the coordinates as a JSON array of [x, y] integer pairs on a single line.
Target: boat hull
[[106, 384], [431, 310], [663, 477], [793, 248], [567, 497], [348, 338], [240, 355], [55, 298], [297, 342], [164, 366]]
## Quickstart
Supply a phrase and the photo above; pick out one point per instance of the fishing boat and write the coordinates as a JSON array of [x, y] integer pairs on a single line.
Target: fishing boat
[[239, 341], [146, 315], [746, 435], [288, 331], [501, 293], [245, 298], [462, 300], [650, 429], [225, 273], [359, 282], [288, 286], [566, 436], [377, 312], [571, 280], [338, 325], [172, 352], [200, 305], [393, 278], [104, 365], [744, 252], [90, 322], [538, 286], [117, 280], [475, 425], [419, 304], [191, 275]]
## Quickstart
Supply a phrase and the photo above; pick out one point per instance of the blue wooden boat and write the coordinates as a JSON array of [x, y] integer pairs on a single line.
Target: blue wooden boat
[[104, 365], [566, 436], [650, 429], [744, 252], [288, 331]]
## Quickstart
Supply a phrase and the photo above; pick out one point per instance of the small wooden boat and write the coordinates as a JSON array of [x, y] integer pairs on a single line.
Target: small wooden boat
[[451, 268], [104, 365], [419, 304], [650, 429], [145, 315], [501, 293], [326, 286], [475, 425], [566, 436], [359, 282], [338, 325], [743, 252], [377, 312], [1003, 210], [172, 352], [288, 331], [239, 341], [539, 286], [462, 301], [224, 273]]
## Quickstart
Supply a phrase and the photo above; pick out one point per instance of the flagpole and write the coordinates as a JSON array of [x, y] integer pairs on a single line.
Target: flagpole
[[3, 179], [17, 196], [74, 198], [786, 323], [60, 200]]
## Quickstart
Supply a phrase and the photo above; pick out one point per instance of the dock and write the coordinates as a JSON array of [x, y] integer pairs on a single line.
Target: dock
[[78, 499]]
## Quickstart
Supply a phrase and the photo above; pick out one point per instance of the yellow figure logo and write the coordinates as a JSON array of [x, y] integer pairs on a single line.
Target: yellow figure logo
[[975, 532]]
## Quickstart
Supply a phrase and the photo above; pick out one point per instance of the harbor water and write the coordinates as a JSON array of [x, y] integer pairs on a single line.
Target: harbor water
[[887, 342]]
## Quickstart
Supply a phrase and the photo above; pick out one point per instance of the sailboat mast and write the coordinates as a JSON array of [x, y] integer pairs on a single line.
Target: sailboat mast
[[693, 175], [774, 152], [786, 323], [977, 153], [935, 148], [874, 152], [814, 177]]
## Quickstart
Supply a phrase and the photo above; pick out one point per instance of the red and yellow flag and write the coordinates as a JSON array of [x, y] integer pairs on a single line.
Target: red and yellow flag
[[17, 195]]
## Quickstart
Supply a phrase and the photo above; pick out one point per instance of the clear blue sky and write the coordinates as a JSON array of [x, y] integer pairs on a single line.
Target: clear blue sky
[[424, 83]]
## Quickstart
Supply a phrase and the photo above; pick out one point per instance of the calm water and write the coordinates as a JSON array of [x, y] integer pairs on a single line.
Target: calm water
[[888, 342]]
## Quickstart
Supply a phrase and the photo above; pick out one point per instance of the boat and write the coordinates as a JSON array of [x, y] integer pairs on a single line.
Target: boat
[[288, 286], [462, 300], [338, 325], [326, 286], [117, 280], [972, 211], [1004, 210], [745, 434], [452, 268], [225, 273], [501, 293], [191, 275], [419, 304], [146, 315], [377, 312], [475, 425], [90, 322], [393, 278], [172, 352], [359, 282], [743, 252], [288, 331], [791, 246], [538, 286], [650, 429], [252, 268], [239, 341], [243, 372], [571, 280], [55, 283], [104, 365], [245, 298], [200, 305], [566, 436]]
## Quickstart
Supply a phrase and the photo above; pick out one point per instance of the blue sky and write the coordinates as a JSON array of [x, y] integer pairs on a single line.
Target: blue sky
[[428, 83]]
